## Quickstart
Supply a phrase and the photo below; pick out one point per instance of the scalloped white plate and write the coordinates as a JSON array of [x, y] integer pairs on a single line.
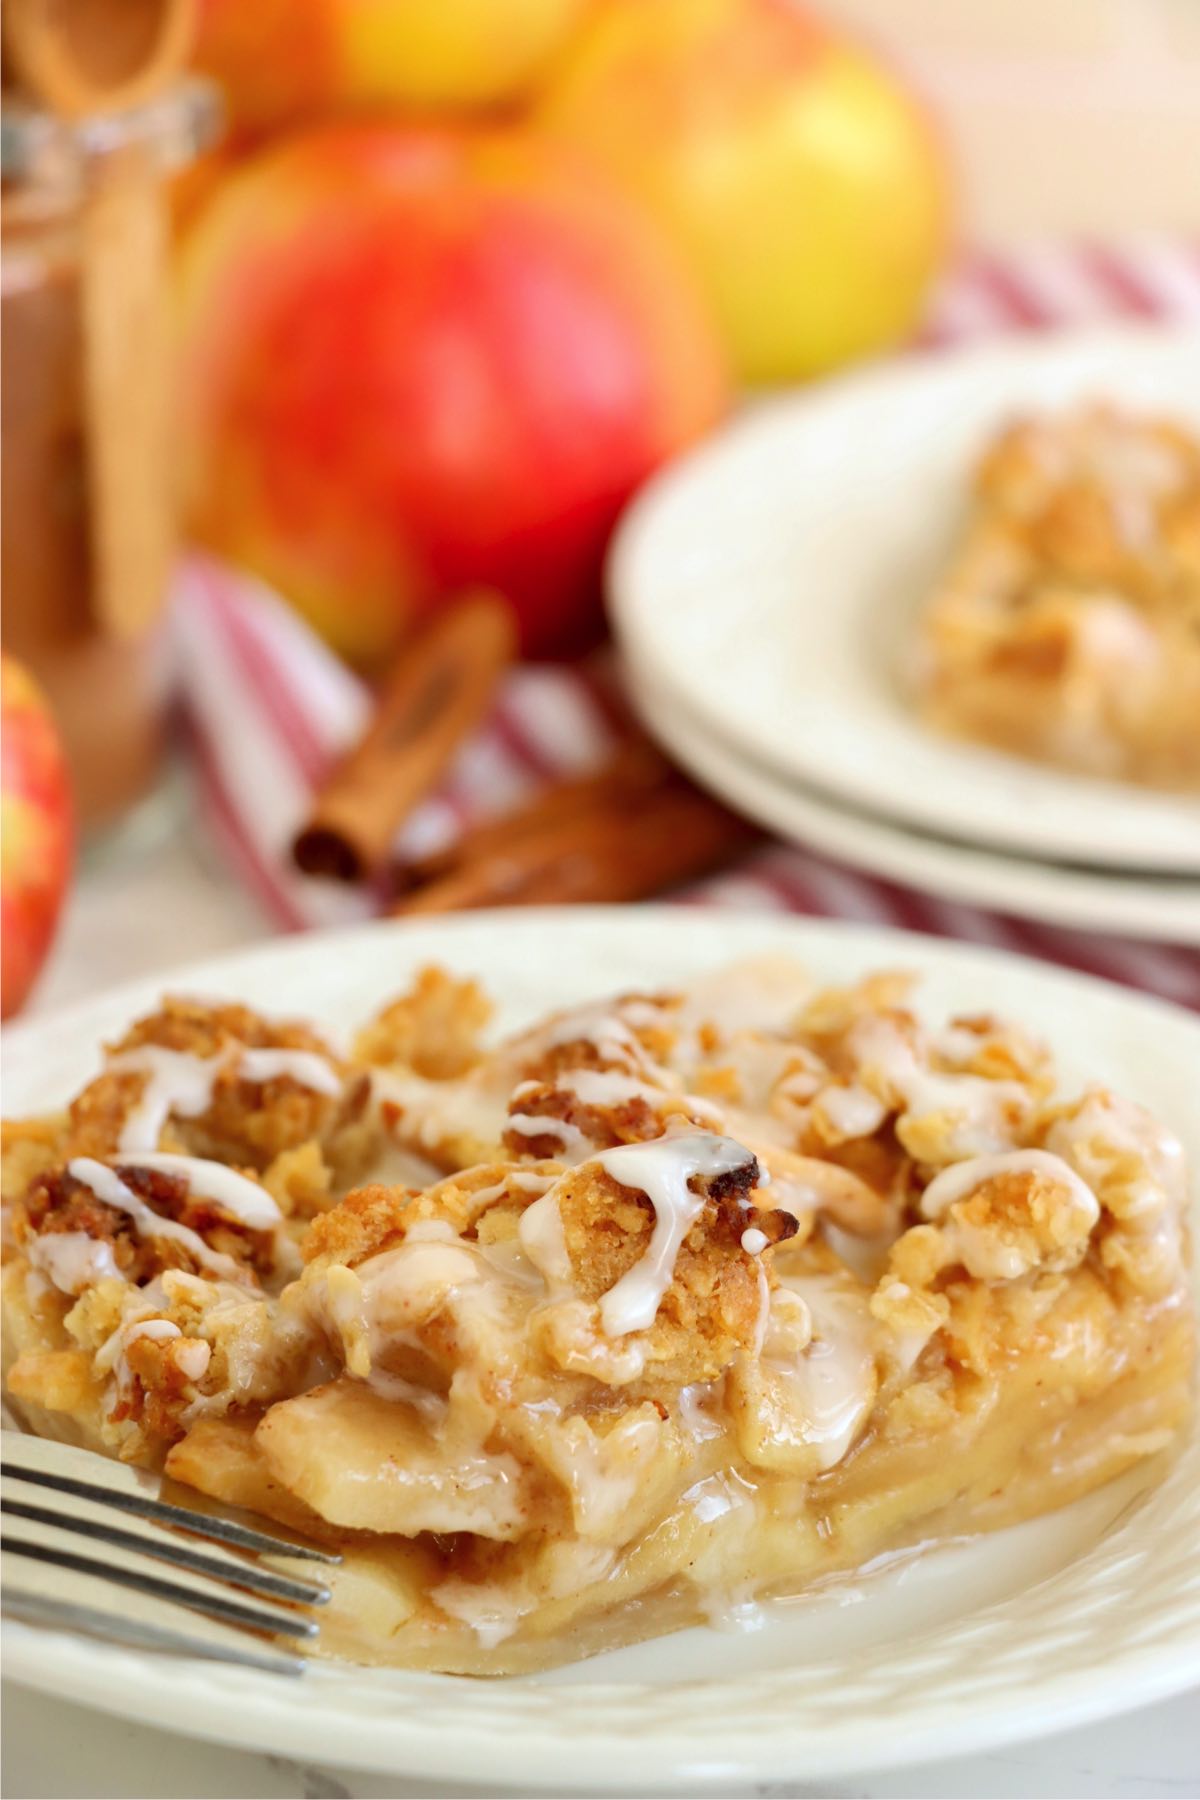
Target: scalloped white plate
[[1073, 1617], [1162, 907], [770, 581]]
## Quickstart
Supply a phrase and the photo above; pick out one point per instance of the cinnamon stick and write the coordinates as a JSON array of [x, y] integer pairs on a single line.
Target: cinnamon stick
[[437, 693], [612, 851], [634, 769]]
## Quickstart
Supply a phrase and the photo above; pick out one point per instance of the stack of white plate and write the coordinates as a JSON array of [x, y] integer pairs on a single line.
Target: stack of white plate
[[764, 593]]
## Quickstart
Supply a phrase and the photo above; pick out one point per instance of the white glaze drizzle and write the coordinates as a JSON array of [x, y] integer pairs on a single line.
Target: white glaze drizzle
[[394, 1291], [531, 1180], [107, 1185], [1136, 1164], [305, 1067], [541, 1236], [483, 1197], [178, 1083], [831, 1375], [534, 1125], [962, 1178], [182, 1083], [605, 1087], [1106, 1123], [754, 1241], [433, 1231], [852, 1111], [73, 1260], [193, 1358], [161, 1331], [111, 1354], [661, 1169], [434, 1112], [976, 1104], [476, 1107], [235, 1194], [611, 1087], [958, 1043], [599, 1026]]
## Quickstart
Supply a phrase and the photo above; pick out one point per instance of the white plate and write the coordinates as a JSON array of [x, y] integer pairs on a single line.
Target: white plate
[[771, 580], [1032, 1630], [1164, 908]]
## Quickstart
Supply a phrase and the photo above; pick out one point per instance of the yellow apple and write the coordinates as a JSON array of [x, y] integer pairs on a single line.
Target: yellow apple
[[804, 182], [282, 60]]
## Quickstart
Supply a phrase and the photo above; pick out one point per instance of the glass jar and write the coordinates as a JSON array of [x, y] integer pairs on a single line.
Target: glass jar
[[104, 676]]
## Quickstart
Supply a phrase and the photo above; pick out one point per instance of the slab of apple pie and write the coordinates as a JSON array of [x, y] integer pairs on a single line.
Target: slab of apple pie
[[664, 1306], [1067, 627]]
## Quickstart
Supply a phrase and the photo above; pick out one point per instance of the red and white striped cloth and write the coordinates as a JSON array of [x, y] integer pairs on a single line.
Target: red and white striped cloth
[[268, 707]]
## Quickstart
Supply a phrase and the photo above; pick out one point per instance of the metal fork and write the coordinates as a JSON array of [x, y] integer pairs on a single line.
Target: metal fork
[[62, 1495]]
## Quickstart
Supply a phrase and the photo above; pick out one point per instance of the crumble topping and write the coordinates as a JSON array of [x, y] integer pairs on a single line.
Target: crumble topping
[[1067, 627], [706, 1259]]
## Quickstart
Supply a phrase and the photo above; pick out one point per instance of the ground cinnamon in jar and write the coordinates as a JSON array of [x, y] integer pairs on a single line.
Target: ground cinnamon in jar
[[107, 687]]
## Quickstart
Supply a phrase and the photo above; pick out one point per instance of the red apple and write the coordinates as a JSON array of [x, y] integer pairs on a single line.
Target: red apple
[[36, 832], [413, 360]]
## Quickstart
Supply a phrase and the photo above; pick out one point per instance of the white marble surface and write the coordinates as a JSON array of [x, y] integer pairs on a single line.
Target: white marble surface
[[166, 902], [158, 899]]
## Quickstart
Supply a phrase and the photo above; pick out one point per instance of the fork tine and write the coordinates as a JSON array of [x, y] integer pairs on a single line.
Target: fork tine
[[44, 1609], [216, 1606], [18, 1467], [170, 1550]]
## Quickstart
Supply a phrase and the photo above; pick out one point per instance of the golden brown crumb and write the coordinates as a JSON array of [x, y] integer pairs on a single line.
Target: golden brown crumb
[[56, 1202], [1066, 626], [300, 1181], [249, 1122], [433, 1029], [625, 1121], [28, 1148], [359, 1225], [832, 1012], [712, 1306]]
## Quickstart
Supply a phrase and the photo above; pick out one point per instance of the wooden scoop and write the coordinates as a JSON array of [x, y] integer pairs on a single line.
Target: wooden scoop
[[127, 375], [79, 58]]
